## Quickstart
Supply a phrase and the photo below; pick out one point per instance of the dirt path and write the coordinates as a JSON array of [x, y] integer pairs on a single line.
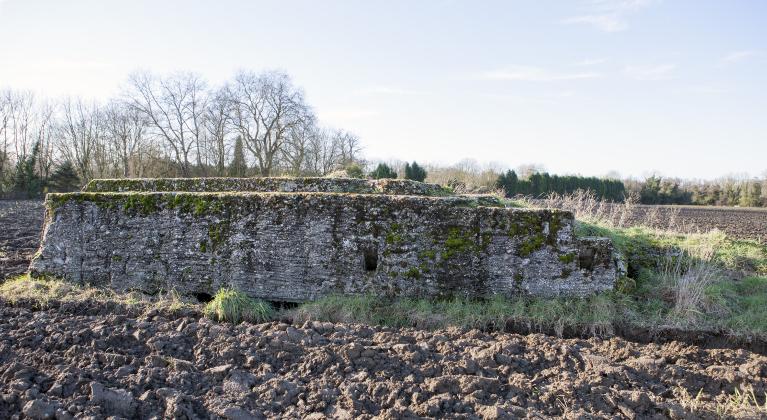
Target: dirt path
[[86, 361]]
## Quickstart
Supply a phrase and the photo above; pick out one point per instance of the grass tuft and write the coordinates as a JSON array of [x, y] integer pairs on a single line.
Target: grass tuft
[[229, 305]]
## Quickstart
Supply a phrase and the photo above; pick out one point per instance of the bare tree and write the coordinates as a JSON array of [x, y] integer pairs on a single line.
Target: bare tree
[[5, 117], [174, 108], [297, 146], [322, 153], [348, 145], [45, 133], [264, 109], [125, 127], [218, 126], [79, 133], [19, 127]]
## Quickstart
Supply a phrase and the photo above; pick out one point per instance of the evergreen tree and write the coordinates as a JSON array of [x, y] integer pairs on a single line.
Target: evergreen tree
[[650, 190], [238, 167], [26, 181], [383, 171], [64, 178], [415, 172], [539, 184], [508, 182], [354, 170]]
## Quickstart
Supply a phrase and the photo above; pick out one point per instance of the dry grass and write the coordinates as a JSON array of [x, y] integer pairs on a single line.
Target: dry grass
[[741, 403], [587, 208], [46, 292]]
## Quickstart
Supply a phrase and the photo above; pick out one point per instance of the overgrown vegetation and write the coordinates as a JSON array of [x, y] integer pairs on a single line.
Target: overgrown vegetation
[[590, 316], [229, 305]]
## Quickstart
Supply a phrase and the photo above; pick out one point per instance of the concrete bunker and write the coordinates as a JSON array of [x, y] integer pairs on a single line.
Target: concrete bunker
[[298, 239]]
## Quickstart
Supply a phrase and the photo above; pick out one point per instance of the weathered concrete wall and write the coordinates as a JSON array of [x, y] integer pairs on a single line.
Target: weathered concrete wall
[[301, 246], [272, 184]]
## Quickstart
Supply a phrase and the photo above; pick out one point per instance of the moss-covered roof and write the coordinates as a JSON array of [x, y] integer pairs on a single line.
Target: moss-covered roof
[[270, 184]]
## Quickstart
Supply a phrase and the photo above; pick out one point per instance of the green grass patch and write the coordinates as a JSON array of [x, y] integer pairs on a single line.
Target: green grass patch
[[743, 304], [229, 305], [643, 246], [593, 315]]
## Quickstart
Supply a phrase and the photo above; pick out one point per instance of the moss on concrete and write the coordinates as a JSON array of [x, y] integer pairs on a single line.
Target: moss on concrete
[[270, 184], [531, 244], [218, 233], [394, 235], [457, 242]]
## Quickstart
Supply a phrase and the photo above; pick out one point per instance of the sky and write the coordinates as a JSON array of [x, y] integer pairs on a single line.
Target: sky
[[674, 87]]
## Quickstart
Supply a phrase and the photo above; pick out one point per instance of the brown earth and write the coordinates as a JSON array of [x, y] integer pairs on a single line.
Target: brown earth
[[743, 223], [86, 361], [21, 223]]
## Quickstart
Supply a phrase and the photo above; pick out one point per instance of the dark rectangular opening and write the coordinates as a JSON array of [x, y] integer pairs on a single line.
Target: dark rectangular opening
[[371, 260]]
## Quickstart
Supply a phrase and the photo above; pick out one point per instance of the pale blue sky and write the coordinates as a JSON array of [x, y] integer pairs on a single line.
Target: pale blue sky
[[579, 86]]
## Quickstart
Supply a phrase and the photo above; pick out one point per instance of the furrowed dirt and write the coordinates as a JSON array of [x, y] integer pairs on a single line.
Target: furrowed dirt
[[743, 223], [21, 223], [81, 360]]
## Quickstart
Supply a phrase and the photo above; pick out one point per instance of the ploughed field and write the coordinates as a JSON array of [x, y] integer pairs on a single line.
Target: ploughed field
[[743, 223], [21, 223], [80, 359]]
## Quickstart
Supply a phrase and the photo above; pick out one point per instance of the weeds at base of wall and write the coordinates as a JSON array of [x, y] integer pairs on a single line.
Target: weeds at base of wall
[[229, 305], [45, 292], [735, 309]]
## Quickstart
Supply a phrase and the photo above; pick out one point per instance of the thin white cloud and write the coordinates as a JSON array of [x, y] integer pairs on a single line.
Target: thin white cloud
[[590, 62], [608, 15], [656, 72], [534, 74], [707, 90], [387, 90], [741, 55], [606, 23]]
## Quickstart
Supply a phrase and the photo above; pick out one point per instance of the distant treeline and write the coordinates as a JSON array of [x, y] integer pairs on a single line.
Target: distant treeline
[[653, 190], [724, 192], [540, 184]]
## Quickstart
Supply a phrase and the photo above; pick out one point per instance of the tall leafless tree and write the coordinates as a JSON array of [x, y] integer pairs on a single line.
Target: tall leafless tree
[[80, 134], [125, 127], [174, 107], [218, 127], [264, 109]]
